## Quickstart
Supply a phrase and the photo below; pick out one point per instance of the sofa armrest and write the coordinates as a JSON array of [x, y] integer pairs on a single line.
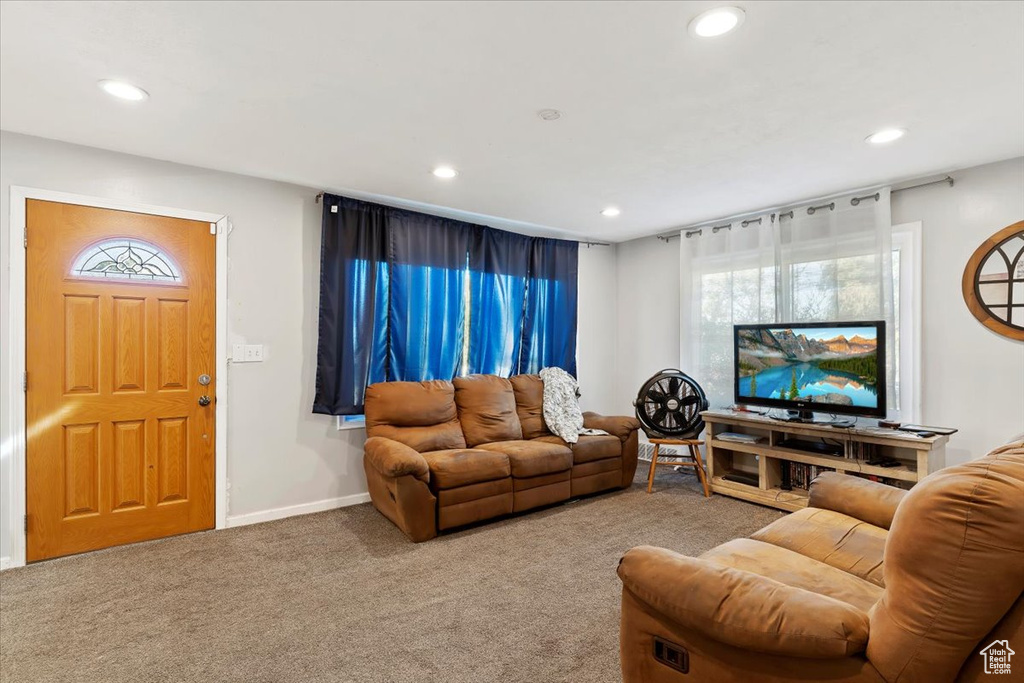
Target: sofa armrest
[[743, 609], [621, 427], [394, 459], [863, 499]]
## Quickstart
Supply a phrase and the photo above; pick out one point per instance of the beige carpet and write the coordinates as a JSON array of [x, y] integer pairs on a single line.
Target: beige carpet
[[343, 596]]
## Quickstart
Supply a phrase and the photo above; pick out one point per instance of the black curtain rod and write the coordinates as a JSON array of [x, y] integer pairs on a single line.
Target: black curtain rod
[[320, 195], [947, 179]]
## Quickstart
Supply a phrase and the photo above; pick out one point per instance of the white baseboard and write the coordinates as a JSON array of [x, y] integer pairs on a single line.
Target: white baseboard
[[5, 563], [293, 510]]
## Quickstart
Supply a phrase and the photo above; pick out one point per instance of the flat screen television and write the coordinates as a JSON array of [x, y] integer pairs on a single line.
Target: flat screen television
[[836, 368]]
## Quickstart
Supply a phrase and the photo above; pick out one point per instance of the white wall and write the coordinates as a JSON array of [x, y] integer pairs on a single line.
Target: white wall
[[596, 331], [648, 303], [973, 379], [279, 453]]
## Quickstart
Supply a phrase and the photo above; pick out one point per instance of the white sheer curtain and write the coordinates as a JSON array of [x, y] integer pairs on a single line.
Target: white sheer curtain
[[836, 264], [827, 261], [728, 276]]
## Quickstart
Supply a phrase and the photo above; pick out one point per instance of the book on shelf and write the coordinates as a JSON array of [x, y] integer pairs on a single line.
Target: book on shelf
[[796, 475], [859, 450], [799, 476]]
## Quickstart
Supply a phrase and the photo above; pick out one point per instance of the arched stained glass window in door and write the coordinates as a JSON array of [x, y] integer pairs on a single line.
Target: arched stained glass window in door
[[126, 258]]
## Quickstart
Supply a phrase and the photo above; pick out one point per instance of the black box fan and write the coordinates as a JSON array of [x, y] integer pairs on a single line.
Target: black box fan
[[669, 406]]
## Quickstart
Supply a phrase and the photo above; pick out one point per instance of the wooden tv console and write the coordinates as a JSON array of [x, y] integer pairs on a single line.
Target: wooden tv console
[[765, 460]]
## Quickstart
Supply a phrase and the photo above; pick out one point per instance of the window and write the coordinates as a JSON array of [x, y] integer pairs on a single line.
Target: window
[[747, 295], [126, 259], [906, 276], [491, 328], [406, 296], [351, 422]]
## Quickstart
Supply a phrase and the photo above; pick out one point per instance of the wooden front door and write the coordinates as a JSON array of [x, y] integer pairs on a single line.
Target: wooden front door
[[120, 323]]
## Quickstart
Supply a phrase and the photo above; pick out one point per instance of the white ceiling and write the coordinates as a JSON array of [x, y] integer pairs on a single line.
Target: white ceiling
[[367, 97]]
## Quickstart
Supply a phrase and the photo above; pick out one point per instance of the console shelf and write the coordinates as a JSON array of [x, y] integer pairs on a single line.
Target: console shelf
[[768, 460]]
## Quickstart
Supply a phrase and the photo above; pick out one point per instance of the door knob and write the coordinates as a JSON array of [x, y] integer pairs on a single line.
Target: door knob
[[204, 400]]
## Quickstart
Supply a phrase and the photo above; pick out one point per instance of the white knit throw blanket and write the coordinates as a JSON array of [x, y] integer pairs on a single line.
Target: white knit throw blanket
[[561, 408]]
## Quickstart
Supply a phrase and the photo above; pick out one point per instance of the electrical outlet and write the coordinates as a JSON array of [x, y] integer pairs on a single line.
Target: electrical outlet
[[253, 353], [247, 353]]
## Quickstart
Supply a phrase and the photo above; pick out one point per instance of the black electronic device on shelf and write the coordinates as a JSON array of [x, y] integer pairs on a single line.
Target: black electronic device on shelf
[[815, 447], [742, 478], [883, 461]]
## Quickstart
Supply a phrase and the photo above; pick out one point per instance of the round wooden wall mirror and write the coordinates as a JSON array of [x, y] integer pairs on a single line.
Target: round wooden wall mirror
[[993, 282]]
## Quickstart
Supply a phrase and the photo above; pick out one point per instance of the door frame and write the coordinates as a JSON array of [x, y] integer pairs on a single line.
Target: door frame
[[14, 393]]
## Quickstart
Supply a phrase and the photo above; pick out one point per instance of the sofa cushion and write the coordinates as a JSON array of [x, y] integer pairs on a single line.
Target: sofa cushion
[[422, 415], [532, 458], [529, 393], [794, 569], [487, 409], [463, 466], [869, 501], [589, 448], [831, 537]]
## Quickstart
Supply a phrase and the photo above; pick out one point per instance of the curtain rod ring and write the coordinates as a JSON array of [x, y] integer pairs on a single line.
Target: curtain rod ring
[[727, 226], [691, 233], [811, 209], [748, 222], [857, 200]]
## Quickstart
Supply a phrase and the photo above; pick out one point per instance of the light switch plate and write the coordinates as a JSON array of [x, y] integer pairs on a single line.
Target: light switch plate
[[247, 353]]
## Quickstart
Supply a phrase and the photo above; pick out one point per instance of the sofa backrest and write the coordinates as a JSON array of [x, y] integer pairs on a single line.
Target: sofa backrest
[[954, 566], [487, 409], [529, 393], [422, 415]]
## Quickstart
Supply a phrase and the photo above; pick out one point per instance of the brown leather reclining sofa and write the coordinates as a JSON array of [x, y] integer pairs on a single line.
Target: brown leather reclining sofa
[[444, 454], [809, 597]]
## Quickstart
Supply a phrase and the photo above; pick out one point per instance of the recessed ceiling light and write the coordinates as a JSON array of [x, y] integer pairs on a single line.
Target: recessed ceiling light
[[884, 136], [549, 114], [717, 22], [610, 212], [124, 91], [445, 172]]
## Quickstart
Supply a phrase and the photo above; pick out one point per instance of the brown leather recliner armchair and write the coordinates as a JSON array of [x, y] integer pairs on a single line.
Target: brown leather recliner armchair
[[441, 455], [868, 583]]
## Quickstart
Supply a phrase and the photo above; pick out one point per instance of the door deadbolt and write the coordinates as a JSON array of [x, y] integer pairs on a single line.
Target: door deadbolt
[[204, 400], [204, 380]]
